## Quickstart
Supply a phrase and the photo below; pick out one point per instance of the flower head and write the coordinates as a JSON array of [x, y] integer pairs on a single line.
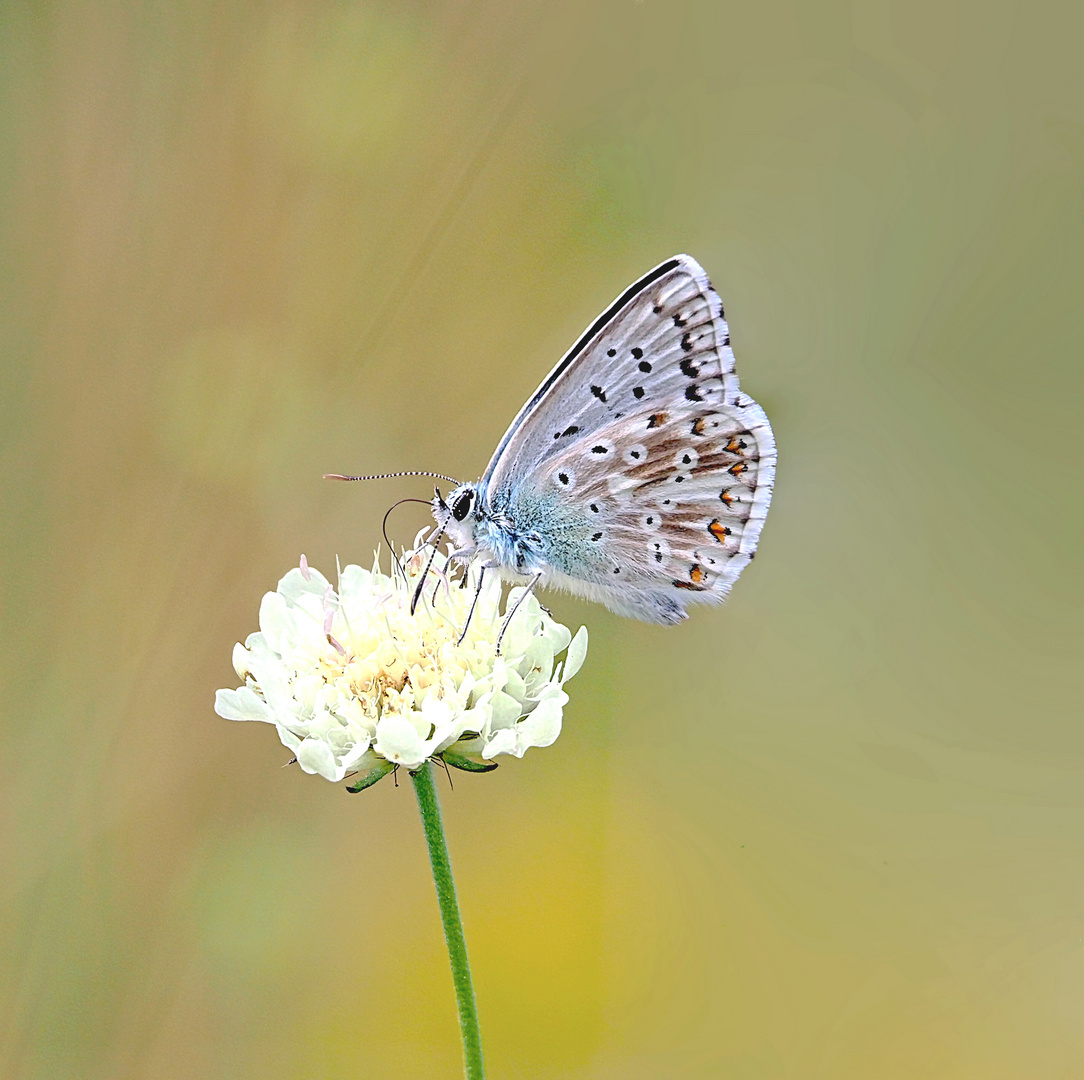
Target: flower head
[[356, 684]]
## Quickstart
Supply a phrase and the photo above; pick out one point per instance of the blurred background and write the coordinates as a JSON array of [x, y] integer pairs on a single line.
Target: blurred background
[[834, 829]]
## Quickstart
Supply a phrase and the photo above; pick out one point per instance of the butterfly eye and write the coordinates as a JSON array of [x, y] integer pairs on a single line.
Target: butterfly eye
[[461, 505]]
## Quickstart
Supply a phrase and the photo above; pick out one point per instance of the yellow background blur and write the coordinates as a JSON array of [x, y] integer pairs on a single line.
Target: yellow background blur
[[834, 829]]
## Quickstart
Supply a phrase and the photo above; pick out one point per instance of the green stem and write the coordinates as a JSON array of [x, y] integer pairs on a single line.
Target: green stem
[[426, 792]]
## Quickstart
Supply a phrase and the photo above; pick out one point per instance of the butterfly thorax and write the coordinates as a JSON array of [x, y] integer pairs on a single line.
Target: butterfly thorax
[[520, 537]]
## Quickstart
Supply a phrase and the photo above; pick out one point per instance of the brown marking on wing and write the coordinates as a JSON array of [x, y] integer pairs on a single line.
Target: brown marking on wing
[[652, 482], [709, 463]]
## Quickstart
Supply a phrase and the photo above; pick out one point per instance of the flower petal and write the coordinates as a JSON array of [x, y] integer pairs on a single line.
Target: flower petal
[[577, 653], [295, 584], [541, 728], [242, 704], [503, 742], [397, 739], [315, 756], [505, 711]]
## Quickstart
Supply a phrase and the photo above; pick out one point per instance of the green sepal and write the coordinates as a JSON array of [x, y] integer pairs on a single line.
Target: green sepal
[[377, 772], [467, 764]]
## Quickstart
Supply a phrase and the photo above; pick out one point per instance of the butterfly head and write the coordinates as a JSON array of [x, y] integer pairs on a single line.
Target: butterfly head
[[456, 515]]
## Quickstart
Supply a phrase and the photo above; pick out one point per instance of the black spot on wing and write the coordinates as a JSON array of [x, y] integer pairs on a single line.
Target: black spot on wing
[[599, 393], [588, 336]]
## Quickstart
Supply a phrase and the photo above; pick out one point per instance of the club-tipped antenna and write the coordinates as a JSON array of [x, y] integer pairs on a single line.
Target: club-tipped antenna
[[389, 475]]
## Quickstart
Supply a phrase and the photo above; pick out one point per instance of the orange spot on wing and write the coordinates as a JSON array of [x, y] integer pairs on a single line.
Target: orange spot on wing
[[726, 497], [737, 468], [718, 530], [655, 419], [696, 575]]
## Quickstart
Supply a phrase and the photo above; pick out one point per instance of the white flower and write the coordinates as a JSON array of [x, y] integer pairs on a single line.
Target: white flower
[[356, 684]]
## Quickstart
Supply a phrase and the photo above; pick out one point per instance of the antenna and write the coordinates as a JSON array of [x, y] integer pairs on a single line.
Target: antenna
[[389, 475]]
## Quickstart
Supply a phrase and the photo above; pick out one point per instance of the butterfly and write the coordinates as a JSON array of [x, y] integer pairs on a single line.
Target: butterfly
[[638, 474]]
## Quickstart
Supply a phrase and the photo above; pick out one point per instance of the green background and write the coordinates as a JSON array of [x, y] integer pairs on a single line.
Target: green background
[[833, 829]]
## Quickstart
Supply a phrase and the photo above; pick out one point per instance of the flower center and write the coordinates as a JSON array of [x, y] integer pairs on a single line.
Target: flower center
[[390, 672]]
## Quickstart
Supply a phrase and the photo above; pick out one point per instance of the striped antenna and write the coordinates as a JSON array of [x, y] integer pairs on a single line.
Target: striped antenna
[[389, 475]]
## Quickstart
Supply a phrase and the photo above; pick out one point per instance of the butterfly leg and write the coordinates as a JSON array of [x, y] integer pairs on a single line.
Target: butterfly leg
[[474, 603], [515, 607], [442, 579], [425, 574], [464, 555]]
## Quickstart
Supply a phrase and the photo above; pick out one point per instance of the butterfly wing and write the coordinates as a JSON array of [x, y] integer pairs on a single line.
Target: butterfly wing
[[654, 470]]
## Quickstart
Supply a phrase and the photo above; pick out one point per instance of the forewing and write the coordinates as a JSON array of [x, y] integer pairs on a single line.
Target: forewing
[[664, 338]]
